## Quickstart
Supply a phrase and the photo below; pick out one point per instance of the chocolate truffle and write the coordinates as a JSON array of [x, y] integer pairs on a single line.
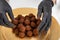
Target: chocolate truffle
[[28, 27], [15, 21], [21, 27], [29, 33], [32, 19], [27, 17], [38, 22], [21, 34], [27, 22], [35, 32], [33, 24], [16, 31], [21, 20], [18, 17], [31, 15]]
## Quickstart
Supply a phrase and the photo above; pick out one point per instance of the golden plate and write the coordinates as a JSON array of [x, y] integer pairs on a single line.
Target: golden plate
[[53, 33]]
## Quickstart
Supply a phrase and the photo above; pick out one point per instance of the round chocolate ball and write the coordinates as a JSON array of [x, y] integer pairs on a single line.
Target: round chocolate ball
[[19, 16], [32, 19], [31, 15], [15, 21], [33, 24], [28, 28], [29, 33], [35, 32], [16, 31], [21, 20], [27, 17], [21, 27], [27, 22], [38, 22], [21, 34]]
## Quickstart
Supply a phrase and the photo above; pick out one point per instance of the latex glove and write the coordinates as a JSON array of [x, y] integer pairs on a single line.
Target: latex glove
[[5, 7], [45, 7]]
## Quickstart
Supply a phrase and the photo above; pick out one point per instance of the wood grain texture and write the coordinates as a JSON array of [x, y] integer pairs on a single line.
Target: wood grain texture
[[53, 33]]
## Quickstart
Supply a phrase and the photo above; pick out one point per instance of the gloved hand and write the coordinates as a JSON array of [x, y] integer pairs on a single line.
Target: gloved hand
[[45, 8], [5, 7]]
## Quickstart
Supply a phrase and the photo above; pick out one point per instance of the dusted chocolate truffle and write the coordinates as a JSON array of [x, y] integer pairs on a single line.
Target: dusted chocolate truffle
[[38, 22], [31, 15], [21, 27], [21, 20], [27, 22], [16, 31], [21, 34], [18, 17], [15, 21], [32, 19], [28, 27], [35, 32], [33, 24], [29, 33], [27, 17]]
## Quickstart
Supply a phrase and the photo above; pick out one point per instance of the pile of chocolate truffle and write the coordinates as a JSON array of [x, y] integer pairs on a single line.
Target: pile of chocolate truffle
[[26, 26]]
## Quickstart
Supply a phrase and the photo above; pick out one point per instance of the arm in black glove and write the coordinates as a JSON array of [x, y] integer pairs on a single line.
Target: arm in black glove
[[5, 7], [45, 7]]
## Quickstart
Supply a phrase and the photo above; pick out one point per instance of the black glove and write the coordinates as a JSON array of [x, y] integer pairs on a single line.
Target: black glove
[[5, 7], [45, 7]]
